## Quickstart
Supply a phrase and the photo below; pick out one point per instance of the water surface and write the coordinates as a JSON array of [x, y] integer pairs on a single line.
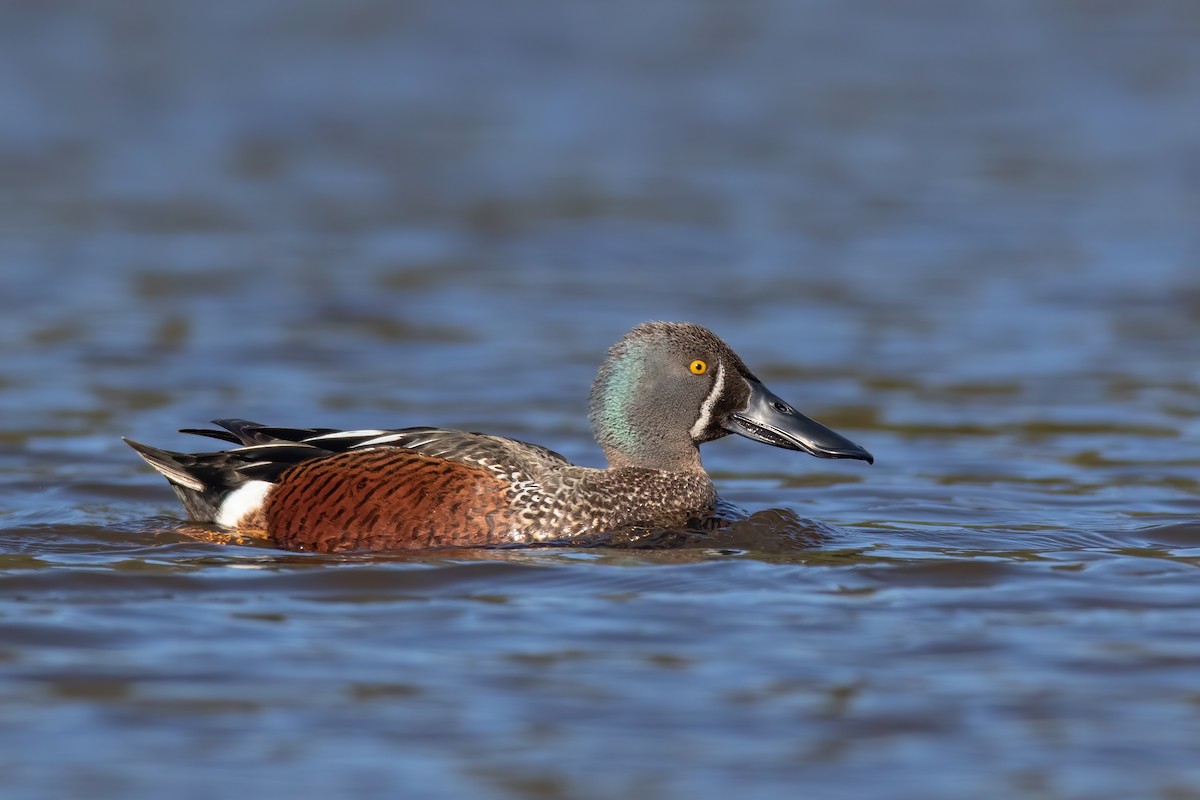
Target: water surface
[[964, 237]]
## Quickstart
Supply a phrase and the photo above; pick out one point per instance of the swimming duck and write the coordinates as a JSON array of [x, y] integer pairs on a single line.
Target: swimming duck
[[664, 389]]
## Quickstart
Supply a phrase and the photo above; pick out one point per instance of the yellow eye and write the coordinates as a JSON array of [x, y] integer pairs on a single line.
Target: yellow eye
[[698, 367]]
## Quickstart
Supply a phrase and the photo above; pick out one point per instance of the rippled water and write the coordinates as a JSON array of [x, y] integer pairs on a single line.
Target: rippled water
[[964, 235]]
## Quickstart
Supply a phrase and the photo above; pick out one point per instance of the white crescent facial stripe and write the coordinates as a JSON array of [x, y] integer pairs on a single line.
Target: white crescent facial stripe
[[707, 406]]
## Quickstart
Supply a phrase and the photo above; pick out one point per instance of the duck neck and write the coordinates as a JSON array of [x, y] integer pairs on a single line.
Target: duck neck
[[683, 459]]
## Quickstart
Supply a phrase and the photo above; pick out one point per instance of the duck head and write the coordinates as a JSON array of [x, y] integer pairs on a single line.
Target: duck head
[[667, 387]]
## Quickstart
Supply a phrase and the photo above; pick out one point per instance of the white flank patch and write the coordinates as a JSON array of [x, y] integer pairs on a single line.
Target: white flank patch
[[243, 500], [707, 406]]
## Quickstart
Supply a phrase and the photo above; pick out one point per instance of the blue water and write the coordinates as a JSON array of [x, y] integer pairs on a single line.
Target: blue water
[[963, 235]]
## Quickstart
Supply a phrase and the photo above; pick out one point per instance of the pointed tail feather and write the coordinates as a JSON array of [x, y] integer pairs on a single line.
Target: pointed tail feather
[[202, 482], [238, 431]]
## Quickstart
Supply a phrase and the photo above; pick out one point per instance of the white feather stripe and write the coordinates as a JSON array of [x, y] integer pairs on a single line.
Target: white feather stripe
[[177, 476], [346, 435], [254, 448], [391, 437], [242, 501]]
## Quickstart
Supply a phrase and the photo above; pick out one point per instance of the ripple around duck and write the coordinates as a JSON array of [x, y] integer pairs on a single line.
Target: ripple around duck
[[92, 565]]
